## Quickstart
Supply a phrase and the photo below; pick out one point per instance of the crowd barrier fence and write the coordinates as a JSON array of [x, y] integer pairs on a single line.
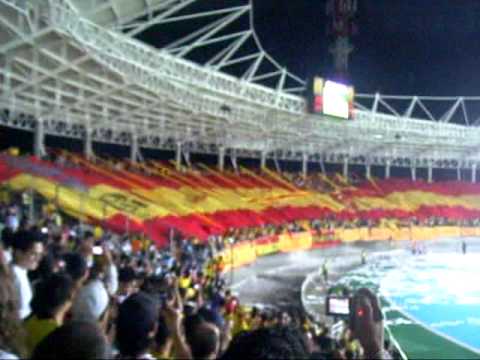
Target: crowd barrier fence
[[247, 252]]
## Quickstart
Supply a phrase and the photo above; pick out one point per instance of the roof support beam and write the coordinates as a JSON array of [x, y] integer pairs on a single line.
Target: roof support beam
[[211, 41], [225, 22], [450, 112], [161, 16], [197, 15], [240, 59], [237, 46], [252, 70], [411, 107]]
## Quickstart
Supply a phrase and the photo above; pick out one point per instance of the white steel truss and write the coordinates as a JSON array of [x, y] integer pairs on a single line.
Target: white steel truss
[[224, 29], [446, 109], [68, 71]]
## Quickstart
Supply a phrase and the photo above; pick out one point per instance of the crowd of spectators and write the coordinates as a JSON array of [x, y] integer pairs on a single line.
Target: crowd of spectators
[[71, 291], [314, 181]]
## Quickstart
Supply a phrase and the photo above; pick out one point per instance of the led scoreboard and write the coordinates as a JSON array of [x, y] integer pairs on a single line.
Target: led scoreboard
[[331, 98]]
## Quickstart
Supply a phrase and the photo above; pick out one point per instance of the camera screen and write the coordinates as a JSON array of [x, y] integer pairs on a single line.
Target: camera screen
[[338, 306]]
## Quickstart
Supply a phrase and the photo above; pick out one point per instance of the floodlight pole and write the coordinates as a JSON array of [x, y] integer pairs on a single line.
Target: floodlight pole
[[459, 174], [474, 173], [430, 174]]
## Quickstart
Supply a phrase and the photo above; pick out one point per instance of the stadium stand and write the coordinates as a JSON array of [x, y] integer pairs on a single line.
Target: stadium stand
[[137, 254]]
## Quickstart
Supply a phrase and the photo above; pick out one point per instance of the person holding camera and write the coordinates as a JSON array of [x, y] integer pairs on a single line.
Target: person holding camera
[[367, 324], [364, 317]]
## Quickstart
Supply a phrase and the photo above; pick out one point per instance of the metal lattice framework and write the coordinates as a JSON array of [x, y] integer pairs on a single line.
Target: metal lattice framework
[[74, 68]]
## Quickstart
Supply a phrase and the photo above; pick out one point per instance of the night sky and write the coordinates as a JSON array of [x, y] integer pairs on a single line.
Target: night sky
[[403, 47], [414, 47]]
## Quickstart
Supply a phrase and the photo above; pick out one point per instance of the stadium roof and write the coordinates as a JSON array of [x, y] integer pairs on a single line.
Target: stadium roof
[[75, 68]]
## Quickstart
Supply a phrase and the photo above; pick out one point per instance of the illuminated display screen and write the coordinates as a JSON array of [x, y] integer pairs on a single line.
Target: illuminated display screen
[[332, 99], [338, 306], [336, 100]]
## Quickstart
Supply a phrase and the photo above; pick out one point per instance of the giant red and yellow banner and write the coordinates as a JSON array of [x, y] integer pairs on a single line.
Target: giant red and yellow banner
[[153, 198]]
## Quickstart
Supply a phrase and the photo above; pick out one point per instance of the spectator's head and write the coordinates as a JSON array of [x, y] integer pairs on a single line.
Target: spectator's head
[[53, 297], [136, 324], [28, 249], [88, 237], [46, 267], [57, 251], [347, 336], [268, 343], [74, 340], [127, 279], [284, 318], [85, 246], [264, 319], [203, 338], [76, 267]]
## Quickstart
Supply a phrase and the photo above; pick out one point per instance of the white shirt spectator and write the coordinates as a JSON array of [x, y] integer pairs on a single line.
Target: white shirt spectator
[[91, 301], [24, 289]]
